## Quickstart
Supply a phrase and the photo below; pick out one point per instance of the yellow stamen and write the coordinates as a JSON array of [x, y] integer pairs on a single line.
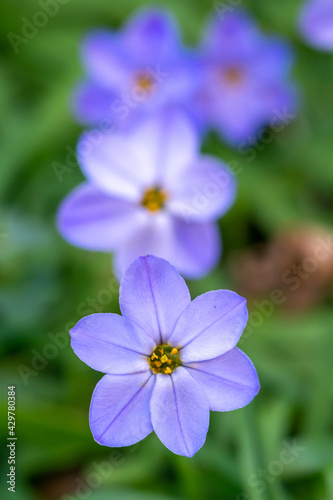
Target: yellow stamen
[[154, 199], [145, 82], [164, 359], [233, 76]]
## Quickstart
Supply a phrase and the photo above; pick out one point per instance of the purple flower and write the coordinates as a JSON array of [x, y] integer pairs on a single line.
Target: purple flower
[[140, 70], [149, 191], [316, 23], [168, 360], [245, 79]]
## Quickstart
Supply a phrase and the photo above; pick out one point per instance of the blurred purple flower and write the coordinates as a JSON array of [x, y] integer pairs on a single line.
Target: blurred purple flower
[[140, 69], [316, 23], [168, 360], [245, 78], [149, 191]]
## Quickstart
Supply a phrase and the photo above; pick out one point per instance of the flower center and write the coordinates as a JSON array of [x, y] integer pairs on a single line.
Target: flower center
[[145, 82], [154, 199], [164, 359], [232, 76]]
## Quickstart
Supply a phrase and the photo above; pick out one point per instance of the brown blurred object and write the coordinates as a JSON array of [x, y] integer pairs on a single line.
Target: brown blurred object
[[53, 486], [299, 262]]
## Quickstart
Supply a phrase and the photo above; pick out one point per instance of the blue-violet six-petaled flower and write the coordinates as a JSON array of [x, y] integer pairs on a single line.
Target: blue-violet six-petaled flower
[[168, 361], [149, 191], [244, 79], [138, 70]]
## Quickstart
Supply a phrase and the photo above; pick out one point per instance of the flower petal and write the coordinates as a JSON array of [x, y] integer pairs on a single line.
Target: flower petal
[[149, 154], [316, 23], [152, 36], [91, 219], [111, 344], [210, 326], [204, 192], [110, 163], [92, 104], [236, 30], [273, 60], [104, 59], [197, 248], [230, 381], [193, 248], [119, 410], [155, 238], [171, 143], [181, 146], [237, 115], [179, 412], [152, 295]]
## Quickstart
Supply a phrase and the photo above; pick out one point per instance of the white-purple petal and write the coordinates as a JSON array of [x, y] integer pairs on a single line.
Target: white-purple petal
[[204, 192], [155, 238], [210, 326], [180, 412], [169, 144], [230, 381], [153, 295], [193, 248], [93, 220], [119, 410], [153, 153], [111, 344], [111, 164]]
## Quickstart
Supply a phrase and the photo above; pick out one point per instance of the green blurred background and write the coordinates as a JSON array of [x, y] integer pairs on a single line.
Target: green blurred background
[[280, 447]]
